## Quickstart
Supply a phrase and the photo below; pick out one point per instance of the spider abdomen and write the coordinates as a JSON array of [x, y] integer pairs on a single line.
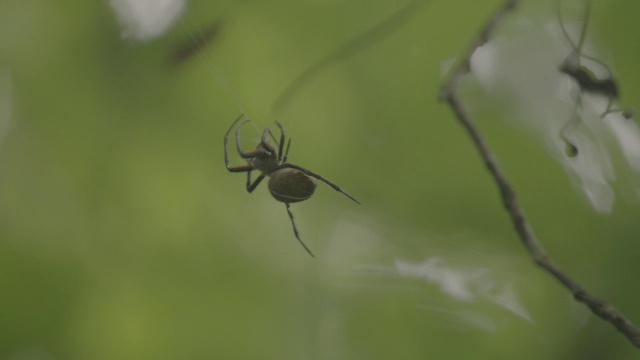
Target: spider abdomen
[[291, 185]]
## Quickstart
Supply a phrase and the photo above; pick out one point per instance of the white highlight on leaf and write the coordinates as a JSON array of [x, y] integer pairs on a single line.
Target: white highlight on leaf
[[145, 20]]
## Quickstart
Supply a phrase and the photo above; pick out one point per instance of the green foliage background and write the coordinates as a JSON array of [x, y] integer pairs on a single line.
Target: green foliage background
[[122, 235]]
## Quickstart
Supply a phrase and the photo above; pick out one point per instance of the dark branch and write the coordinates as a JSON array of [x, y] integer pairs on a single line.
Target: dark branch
[[449, 95]]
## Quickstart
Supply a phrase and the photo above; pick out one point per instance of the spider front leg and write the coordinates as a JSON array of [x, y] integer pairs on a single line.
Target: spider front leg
[[245, 155], [262, 149], [241, 168], [286, 152], [295, 230], [281, 144], [282, 158]]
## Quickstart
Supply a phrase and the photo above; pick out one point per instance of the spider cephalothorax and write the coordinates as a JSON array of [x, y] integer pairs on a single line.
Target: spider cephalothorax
[[288, 183]]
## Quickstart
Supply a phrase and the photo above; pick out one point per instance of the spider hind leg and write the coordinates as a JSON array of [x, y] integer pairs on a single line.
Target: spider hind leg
[[321, 178], [295, 230]]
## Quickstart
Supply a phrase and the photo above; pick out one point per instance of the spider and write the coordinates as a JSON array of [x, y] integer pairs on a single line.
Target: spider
[[288, 183]]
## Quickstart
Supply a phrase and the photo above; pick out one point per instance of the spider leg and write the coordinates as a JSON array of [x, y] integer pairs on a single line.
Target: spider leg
[[250, 186], [226, 148], [321, 178], [252, 154], [263, 139], [263, 147], [238, 146], [295, 230], [240, 168], [281, 141], [273, 137], [286, 152]]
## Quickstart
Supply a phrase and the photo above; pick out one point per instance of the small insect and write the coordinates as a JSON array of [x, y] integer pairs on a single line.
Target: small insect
[[585, 78], [582, 74], [288, 183]]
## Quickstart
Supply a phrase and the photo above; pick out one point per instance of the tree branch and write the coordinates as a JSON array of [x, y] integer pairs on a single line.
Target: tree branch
[[449, 95]]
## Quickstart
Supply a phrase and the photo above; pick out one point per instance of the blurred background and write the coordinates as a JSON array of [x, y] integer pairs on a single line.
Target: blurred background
[[123, 236]]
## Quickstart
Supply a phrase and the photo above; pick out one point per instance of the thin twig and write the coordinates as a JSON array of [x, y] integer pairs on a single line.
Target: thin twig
[[351, 47], [449, 95]]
